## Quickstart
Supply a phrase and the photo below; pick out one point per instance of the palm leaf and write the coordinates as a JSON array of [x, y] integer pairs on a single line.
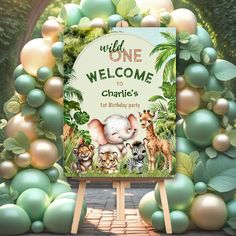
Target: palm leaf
[[72, 93], [169, 73], [171, 38]]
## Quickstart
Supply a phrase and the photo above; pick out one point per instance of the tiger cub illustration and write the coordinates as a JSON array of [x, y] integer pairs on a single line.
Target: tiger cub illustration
[[108, 162]]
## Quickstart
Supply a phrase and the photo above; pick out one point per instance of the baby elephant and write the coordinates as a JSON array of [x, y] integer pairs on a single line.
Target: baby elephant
[[139, 154]]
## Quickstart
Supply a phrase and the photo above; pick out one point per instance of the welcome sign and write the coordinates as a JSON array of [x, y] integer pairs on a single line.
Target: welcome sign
[[122, 92]]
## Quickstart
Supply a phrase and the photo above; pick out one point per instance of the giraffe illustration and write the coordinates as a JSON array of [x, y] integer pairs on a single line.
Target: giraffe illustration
[[155, 145]]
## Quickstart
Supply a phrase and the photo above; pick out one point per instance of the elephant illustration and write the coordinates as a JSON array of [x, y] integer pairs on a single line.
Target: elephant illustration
[[113, 132]]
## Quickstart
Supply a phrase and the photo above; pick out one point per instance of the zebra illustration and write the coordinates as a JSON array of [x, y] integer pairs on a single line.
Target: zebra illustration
[[139, 154]]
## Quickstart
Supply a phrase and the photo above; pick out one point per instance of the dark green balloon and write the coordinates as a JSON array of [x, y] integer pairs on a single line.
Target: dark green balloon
[[60, 187], [204, 37], [185, 146], [209, 56], [200, 188], [158, 222], [114, 19], [44, 73], [35, 202], [231, 114], [214, 85], [201, 126], [53, 116], [30, 178], [182, 185], [135, 21], [13, 220], [37, 227], [57, 49], [24, 84], [19, 71], [180, 128], [36, 98], [180, 222], [196, 75], [52, 173]]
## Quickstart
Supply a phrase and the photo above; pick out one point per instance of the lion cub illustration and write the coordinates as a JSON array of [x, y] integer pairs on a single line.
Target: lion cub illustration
[[108, 162]]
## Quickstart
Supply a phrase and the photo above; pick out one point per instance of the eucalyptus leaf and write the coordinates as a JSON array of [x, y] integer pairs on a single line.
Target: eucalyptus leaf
[[13, 107], [50, 135], [232, 223], [23, 140], [232, 137], [200, 174], [231, 152], [211, 96], [60, 66], [194, 155], [184, 37], [125, 6], [185, 55], [211, 152], [13, 145], [3, 123], [27, 110]]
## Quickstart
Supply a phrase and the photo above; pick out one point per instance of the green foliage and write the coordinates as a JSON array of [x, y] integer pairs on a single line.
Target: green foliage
[[126, 8], [230, 227]]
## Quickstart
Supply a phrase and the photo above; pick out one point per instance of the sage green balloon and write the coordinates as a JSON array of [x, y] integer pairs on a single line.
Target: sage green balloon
[[204, 37], [5, 188], [200, 188], [13, 220], [201, 126], [58, 188], [231, 207], [135, 21], [19, 71], [44, 73], [209, 56], [35, 202], [158, 222], [24, 84], [147, 206], [53, 116], [60, 146], [180, 128], [37, 227], [52, 173], [59, 215], [61, 172], [57, 49], [231, 114], [114, 19], [30, 178], [214, 85], [185, 146], [36, 98], [97, 8], [179, 221], [196, 75], [71, 14], [180, 192]]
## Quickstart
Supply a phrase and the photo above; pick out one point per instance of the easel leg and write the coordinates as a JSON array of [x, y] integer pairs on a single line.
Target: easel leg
[[78, 207], [165, 206]]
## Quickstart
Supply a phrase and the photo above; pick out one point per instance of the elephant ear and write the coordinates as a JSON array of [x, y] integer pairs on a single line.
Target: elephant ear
[[96, 130], [133, 121]]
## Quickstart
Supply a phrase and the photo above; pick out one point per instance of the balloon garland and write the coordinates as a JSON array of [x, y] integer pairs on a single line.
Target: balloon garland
[[206, 135]]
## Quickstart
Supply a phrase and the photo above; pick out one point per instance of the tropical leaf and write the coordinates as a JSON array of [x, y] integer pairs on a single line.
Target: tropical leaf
[[185, 164], [72, 93], [184, 37], [125, 6], [155, 98]]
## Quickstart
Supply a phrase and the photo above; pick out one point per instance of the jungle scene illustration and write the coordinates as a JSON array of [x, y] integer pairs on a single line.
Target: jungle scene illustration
[[109, 147]]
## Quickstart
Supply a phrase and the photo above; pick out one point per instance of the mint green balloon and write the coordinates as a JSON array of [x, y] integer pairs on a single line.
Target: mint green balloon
[[179, 221], [57, 49], [58, 188], [97, 8], [53, 116], [4, 188], [204, 37], [30, 178], [35, 202], [182, 185], [231, 114], [231, 206], [158, 222], [36, 98], [196, 75], [44, 73], [214, 85], [19, 71], [37, 227], [201, 126], [147, 206], [209, 56], [71, 14], [114, 19], [52, 173], [185, 146], [59, 215], [200, 188], [135, 21], [180, 128], [13, 220], [24, 84], [61, 172]]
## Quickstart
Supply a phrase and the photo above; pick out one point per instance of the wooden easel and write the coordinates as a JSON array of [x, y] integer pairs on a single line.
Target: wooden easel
[[120, 187]]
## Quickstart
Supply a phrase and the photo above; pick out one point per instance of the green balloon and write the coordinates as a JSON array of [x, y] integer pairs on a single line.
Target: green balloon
[[204, 37], [179, 221], [30, 178], [209, 56], [201, 126], [13, 220], [231, 206], [182, 185], [61, 172], [4, 188], [35, 202], [24, 84], [57, 49], [36, 98], [60, 187], [180, 128], [60, 146], [200, 188], [71, 14], [158, 222], [37, 227], [19, 71], [44, 73], [147, 206], [97, 8], [114, 19], [185, 146], [59, 215], [135, 21], [53, 116], [52, 173], [214, 85], [196, 75], [231, 114]]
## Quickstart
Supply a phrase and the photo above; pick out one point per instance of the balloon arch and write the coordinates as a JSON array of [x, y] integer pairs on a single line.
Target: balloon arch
[[35, 190]]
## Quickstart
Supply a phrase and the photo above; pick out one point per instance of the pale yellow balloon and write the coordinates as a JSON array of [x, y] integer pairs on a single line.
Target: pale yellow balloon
[[23, 160], [208, 212], [188, 100], [20, 123], [221, 142], [180, 82], [43, 153], [51, 29], [37, 53], [53, 88], [184, 20], [221, 106], [8, 169]]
